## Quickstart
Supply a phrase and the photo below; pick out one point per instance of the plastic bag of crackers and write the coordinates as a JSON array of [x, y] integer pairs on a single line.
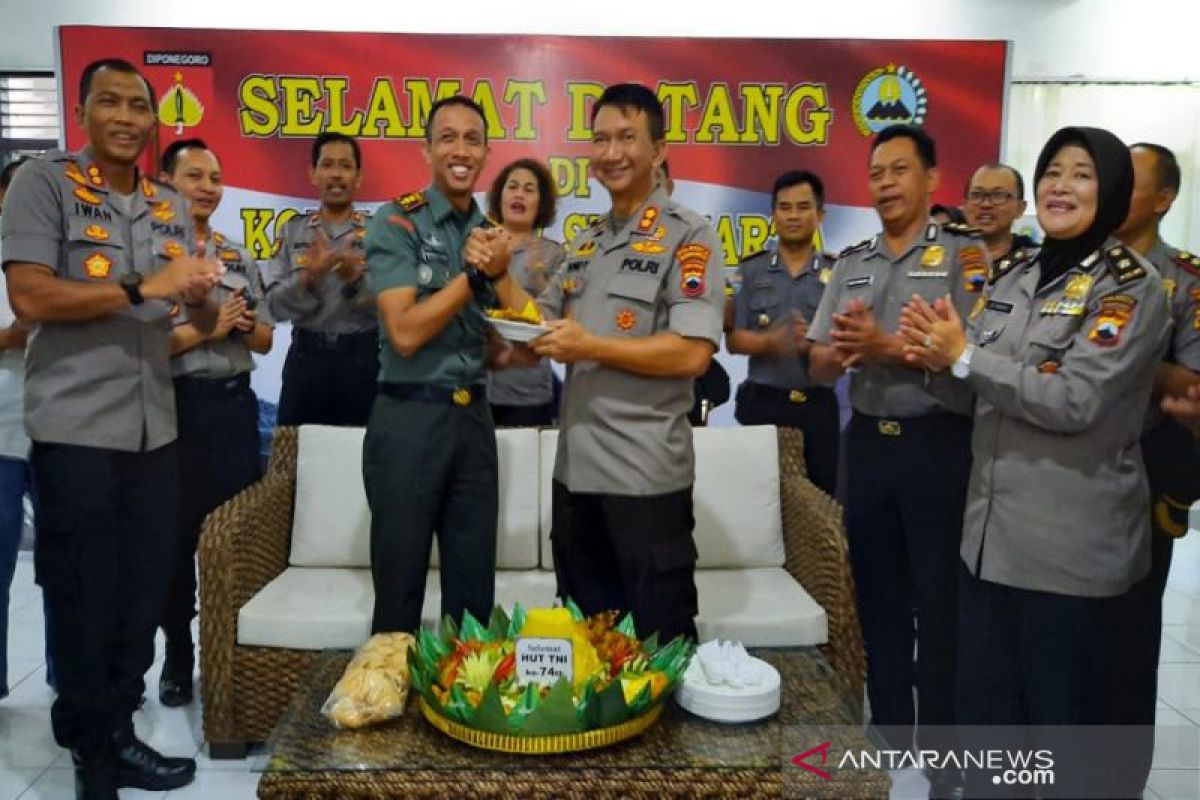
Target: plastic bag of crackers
[[374, 687]]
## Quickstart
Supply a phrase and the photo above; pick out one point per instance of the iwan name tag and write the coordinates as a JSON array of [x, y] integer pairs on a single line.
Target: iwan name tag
[[543, 661]]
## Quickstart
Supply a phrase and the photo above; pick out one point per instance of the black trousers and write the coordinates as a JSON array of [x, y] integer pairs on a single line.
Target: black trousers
[[523, 416], [431, 467], [218, 457], [329, 381], [106, 537], [1038, 670], [628, 553], [906, 485], [816, 416]]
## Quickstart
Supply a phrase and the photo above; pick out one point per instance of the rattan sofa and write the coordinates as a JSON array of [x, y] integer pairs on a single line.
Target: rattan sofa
[[246, 544]]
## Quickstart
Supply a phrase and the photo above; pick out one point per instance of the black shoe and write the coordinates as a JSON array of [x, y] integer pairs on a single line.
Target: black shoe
[[93, 777], [137, 765], [174, 692]]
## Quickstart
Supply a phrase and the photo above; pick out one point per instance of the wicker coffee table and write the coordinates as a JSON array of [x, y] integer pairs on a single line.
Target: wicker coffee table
[[681, 756]]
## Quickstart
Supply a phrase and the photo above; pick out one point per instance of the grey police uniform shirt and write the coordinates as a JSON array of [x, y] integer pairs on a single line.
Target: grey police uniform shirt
[[330, 305], [942, 259], [769, 295], [103, 382], [622, 433], [533, 264], [1058, 500], [1180, 272], [230, 356]]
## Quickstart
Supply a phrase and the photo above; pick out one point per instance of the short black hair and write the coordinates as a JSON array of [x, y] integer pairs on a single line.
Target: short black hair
[[547, 198], [117, 65], [798, 177], [170, 156], [329, 137], [9, 170], [631, 97], [997, 165], [453, 100], [926, 148], [1166, 165]]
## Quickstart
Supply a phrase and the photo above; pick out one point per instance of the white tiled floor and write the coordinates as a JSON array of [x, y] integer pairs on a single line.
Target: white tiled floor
[[32, 766]]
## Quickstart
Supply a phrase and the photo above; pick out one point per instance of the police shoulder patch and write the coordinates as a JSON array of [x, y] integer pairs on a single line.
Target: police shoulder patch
[[1123, 264], [1008, 263], [1188, 262], [411, 201], [854, 248], [962, 229]]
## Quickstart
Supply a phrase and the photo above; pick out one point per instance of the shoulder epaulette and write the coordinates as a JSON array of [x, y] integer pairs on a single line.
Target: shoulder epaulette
[[962, 229], [755, 254], [1188, 261], [1006, 264], [412, 201], [828, 259], [1123, 264], [854, 248]]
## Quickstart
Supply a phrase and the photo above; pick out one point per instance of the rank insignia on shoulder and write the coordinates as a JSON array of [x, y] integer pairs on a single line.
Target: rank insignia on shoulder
[[587, 248], [1188, 262], [649, 218], [659, 233], [1124, 265], [149, 190], [163, 211], [854, 248], [412, 201], [962, 229]]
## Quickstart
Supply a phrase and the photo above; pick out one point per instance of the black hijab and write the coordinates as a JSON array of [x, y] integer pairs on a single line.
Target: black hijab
[[1114, 174]]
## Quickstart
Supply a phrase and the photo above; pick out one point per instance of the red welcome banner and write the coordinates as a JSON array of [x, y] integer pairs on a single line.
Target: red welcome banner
[[739, 111]]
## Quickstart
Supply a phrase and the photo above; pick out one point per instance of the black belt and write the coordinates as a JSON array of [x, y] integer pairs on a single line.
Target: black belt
[[461, 396], [799, 396], [361, 341], [212, 386]]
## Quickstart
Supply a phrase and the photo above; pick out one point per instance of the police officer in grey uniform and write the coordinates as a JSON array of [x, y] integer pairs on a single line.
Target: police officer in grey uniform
[[1172, 456], [316, 281], [908, 451], [639, 308], [1061, 353], [216, 409], [429, 457], [94, 256], [781, 290]]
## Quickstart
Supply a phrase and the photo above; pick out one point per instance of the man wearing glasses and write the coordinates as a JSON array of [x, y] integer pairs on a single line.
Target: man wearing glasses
[[995, 200]]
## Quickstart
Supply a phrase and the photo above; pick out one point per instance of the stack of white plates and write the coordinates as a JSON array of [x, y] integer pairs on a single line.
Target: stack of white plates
[[724, 703]]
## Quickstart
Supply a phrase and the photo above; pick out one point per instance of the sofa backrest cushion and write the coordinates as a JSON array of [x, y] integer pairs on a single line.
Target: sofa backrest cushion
[[739, 523], [331, 526]]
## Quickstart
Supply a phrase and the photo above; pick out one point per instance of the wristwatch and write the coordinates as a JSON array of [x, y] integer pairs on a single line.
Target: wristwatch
[[961, 368], [131, 282]]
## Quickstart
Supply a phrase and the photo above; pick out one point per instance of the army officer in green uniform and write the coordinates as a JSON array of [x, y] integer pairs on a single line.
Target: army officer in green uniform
[[429, 459]]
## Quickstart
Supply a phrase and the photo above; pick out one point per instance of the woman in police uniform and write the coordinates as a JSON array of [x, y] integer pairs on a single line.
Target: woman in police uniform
[[1061, 351], [522, 200]]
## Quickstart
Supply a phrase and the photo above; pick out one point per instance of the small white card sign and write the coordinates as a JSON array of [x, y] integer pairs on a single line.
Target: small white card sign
[[543, 661]]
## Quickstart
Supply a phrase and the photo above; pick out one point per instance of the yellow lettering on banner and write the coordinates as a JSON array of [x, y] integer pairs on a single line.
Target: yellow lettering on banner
[[299, 95], [258, 115], [383, 114], [420, 100], [525, 93], [755, 230], [254, 232], [677, 98], [281, 219], [580, 127], [335, 88], [570, 175], [574, 223], [718, 115], [761, 112], [727, 238], [807, 114], [485, 96]]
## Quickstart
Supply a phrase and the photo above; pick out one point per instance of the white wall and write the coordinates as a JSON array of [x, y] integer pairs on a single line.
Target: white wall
[[1099, 39]]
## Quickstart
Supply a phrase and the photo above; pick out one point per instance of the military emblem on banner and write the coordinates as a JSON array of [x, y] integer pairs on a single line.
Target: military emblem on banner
[[184, 84], [890, 95]]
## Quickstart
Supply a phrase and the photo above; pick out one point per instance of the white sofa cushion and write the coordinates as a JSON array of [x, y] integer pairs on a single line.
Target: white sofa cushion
[[759, 607], [332, 524], [739, 519], [314, 608], [310, 608]]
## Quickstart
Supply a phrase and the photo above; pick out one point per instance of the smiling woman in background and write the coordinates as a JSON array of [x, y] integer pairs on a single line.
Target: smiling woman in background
[[522, 200], [1061, 351]]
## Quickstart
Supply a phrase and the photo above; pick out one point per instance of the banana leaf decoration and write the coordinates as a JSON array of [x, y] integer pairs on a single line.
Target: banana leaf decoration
[[562, 709]]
